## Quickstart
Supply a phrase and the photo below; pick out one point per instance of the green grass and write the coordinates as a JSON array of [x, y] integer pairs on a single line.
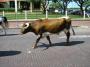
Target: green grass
[[36, 15]]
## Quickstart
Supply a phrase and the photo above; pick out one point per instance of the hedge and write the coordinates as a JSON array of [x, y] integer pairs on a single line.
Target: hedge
[[8, 9]]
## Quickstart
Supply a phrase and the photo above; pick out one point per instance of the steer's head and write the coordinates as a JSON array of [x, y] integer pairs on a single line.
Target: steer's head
[[25, 28]]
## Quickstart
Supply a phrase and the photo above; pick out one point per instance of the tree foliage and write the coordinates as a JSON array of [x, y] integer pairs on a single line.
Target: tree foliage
[[87, 5], [63, 4], [44, 5], [81, 4]]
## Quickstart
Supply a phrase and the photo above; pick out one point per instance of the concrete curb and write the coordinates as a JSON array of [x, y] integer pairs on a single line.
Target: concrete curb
[[84, 26]]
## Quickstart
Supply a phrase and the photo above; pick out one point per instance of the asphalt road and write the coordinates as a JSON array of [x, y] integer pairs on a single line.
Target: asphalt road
[[16, 50]]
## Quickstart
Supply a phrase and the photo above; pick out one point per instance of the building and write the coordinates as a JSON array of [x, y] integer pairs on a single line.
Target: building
[[20, 4]]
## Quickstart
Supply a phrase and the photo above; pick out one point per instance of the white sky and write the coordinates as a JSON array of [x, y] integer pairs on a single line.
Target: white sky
[[70, 5], [73, 5]]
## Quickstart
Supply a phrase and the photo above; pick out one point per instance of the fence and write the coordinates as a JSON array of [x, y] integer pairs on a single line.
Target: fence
[[25, 15]]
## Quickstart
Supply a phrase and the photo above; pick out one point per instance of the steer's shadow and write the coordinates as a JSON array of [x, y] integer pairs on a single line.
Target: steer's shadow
[[8, 34], [9, 53], [72, 43]]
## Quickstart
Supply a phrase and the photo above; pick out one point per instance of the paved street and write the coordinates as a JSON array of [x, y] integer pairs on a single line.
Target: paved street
[[16, 50]]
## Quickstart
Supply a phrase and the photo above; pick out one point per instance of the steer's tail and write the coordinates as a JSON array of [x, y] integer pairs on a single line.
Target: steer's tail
[[72, 30]]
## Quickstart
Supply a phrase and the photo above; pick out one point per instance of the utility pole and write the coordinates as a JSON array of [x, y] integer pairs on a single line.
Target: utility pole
[[47, 8], [66, 12], [84, 12], [16, 6], [16, 11]]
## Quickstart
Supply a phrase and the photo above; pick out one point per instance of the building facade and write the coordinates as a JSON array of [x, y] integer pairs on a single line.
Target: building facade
[[20, 4]]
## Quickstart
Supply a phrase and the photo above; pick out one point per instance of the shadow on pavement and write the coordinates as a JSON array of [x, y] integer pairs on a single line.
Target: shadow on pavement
[[72, 43], [9, 34], [9, 53]]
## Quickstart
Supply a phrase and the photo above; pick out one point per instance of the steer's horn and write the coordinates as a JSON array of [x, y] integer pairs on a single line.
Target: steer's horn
[[27, 25]]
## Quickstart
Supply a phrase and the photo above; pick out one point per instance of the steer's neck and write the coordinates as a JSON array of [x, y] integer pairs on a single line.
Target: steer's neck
[[33, 30]]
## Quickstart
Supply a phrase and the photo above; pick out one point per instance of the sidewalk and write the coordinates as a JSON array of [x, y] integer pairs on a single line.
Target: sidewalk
[[81, 23]]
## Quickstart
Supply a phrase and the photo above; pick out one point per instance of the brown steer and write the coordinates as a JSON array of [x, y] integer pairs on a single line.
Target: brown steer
[[53, 26]]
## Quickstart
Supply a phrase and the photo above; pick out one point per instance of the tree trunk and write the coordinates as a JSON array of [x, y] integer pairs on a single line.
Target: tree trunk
[[81, 8], [64, 8], [44, 10]]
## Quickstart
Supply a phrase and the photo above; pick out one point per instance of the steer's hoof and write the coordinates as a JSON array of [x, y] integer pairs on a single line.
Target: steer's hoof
[[34, 46]]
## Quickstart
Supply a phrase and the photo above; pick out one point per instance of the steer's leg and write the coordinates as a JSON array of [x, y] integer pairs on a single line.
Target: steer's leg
[[38, 39], [68, 36], [3, 26], [67, 32], [48, 38]]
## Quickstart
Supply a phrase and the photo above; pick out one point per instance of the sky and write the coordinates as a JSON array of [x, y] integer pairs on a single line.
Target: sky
[[73, 5], [70, 5]]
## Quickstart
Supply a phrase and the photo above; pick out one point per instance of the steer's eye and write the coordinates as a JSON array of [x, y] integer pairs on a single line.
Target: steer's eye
[[24, 25]]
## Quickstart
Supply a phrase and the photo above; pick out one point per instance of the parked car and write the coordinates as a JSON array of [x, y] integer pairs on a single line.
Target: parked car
[[87, 13], [76, 12], [51, 10]]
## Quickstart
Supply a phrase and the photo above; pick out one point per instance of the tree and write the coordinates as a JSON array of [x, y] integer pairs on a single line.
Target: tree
[[44, 4], [54, 5], [81, 4], [63, 3], [87, 5], [55, 1], [32, 2]]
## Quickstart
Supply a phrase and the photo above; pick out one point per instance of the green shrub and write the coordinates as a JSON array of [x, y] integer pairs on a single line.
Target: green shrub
[[8, 9]]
